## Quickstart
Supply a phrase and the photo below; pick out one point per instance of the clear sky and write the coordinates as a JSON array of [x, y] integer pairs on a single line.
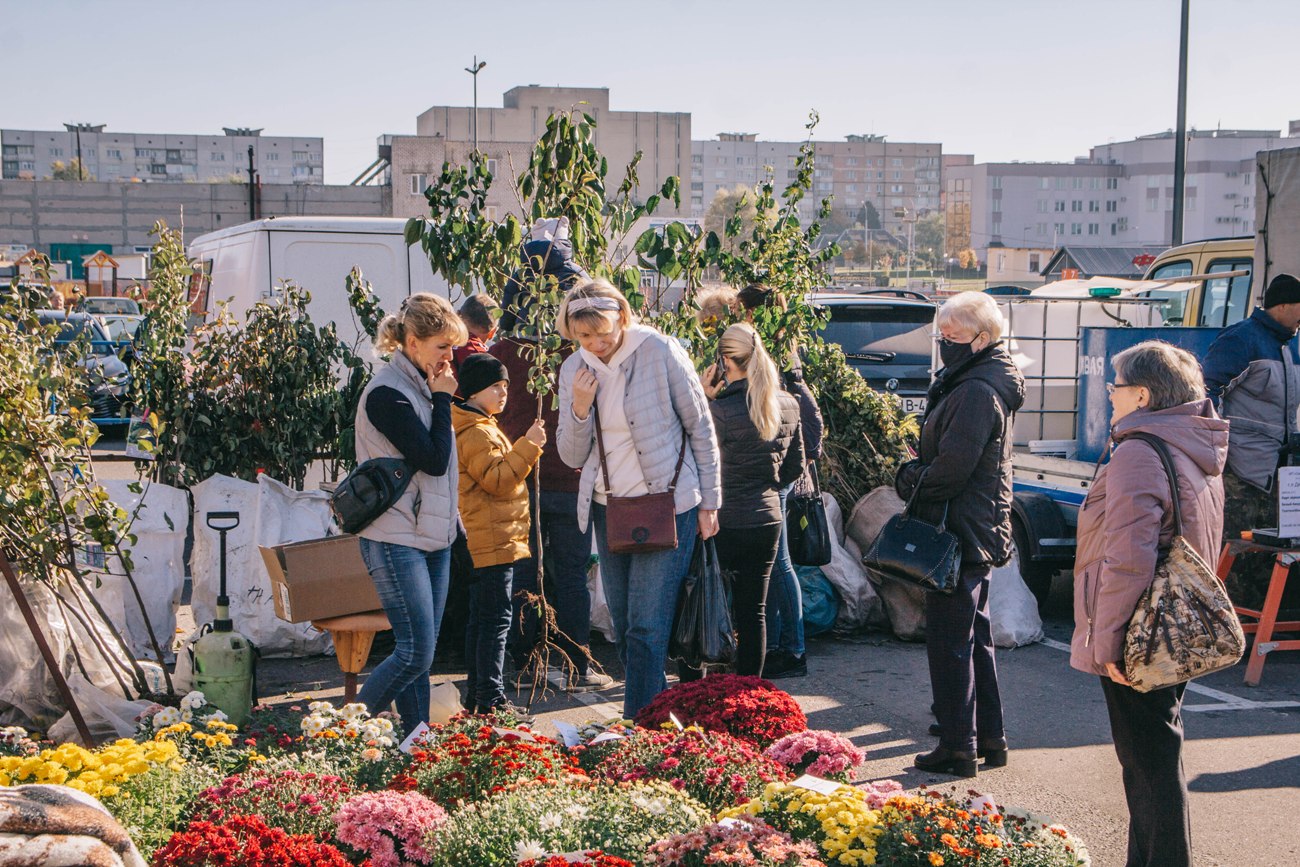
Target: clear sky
[[1003, 79]]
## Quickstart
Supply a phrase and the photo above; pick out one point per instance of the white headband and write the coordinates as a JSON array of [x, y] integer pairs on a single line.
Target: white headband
[[597, 302]]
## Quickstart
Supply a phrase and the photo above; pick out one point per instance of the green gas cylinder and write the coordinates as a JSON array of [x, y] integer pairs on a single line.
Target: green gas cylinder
[[223, 672]]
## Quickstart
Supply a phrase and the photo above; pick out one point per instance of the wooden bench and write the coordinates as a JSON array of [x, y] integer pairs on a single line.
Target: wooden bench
[[353, 635], [1265, 623]]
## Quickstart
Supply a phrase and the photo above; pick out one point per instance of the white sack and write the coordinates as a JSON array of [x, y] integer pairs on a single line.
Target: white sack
[[158, 563], [270, 514], [859, 602], [834, 516]]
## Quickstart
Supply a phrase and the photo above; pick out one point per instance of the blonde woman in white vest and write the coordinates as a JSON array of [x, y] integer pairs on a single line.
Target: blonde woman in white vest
[[653, 414], [405, 412]]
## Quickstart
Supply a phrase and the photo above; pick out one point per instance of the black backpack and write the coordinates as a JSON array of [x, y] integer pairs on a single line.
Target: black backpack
[[369, 491]]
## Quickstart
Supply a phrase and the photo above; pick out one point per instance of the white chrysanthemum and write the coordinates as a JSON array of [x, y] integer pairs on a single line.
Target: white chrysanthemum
[[550, 821], [355, 710], [313, 724], [13, 734], [383, 741], [321, 707], [193, 701], [168, 716], [527, 850], [576, 811], [215, 716]]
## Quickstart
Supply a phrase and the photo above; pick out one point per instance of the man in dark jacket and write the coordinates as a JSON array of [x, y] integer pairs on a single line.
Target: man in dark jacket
[[1252, 376], [964, 471], [566, 549]]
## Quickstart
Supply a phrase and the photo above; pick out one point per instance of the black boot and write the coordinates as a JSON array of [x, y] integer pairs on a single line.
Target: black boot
[[958, 763], [992, 750]]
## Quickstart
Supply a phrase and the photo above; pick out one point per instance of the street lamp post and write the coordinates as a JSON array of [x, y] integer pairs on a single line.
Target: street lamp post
[[474, 71]]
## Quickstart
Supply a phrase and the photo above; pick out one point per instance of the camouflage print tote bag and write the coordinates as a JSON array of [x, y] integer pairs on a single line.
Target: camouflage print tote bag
[[1184, 625]]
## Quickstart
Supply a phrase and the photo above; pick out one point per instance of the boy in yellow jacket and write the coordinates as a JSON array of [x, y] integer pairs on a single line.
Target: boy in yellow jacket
[[494, 508]]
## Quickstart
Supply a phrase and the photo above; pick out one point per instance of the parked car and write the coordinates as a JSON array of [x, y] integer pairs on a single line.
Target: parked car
[[108, 379], [886, 337], [103, 304], [121, 327]]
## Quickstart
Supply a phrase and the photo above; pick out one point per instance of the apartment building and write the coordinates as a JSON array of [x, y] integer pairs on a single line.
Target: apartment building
[[161, 157], [506, 135], [1120, 195], [858, 170]]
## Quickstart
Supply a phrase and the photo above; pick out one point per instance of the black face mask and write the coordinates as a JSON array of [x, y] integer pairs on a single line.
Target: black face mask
[[953, 354]]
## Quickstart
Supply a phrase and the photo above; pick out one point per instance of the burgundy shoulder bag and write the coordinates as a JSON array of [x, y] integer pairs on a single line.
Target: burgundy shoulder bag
[[644, 524]]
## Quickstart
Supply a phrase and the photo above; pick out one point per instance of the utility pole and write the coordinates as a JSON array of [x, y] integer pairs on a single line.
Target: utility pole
[[252, 186], [1180, 134], [474, 71]]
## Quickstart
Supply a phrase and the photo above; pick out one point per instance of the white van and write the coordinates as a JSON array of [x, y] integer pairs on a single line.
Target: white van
[[249, 262]]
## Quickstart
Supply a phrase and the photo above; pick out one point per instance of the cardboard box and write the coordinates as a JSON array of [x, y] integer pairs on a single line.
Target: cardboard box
[[319, 578]]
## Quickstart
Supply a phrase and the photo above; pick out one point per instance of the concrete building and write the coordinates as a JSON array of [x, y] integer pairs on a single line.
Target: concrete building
[[173, 157], [70, 219], [506, 136], [1120, 195], [861, 169]]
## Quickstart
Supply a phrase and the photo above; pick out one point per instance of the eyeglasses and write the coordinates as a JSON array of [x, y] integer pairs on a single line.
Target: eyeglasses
[[1112, 387]]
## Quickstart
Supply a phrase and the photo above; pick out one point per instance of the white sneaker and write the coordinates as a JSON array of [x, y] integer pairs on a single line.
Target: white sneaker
[[590, 682]]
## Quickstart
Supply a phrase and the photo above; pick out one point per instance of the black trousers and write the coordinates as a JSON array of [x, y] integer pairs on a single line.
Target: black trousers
[[963, 674], [746, 555], [1147, 728]]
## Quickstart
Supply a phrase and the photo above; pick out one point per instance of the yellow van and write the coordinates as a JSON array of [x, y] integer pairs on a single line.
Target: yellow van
[[1216, 302]]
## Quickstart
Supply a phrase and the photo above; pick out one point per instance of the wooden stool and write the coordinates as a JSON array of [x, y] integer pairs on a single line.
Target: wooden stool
[[1266, 623], [353, 634]]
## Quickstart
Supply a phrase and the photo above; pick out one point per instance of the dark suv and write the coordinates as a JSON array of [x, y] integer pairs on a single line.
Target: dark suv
[[107, 376], [886, 336]]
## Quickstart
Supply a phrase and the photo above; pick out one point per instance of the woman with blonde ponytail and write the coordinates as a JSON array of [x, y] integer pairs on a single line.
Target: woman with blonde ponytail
[[757, 425], [405, 412]]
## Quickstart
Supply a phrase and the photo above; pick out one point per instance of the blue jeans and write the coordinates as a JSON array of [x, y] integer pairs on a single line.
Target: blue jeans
[[642, 591], [412, 587], [784, 598], [566, 551], [485, 636]]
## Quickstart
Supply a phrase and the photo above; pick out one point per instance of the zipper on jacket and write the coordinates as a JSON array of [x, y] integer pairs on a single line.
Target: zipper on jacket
[[1089, 606]]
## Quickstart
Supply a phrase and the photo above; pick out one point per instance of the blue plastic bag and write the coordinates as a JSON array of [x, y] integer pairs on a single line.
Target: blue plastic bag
[[820, 604]]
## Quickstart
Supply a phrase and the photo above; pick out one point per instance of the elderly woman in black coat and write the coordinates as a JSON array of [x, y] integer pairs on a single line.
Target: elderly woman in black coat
[[964, 467]]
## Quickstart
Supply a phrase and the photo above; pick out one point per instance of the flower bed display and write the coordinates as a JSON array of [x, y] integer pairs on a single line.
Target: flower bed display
[[246, 841], [749, 708], [820, 753], [317, 786], [297, 802], [746, 842], [715, 768], [389, 827], [468, 766], [535, 821], [932, 829]]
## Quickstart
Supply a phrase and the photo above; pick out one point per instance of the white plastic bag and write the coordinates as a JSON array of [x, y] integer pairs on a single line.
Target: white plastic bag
[[834, 516], [270, 514], [28, 695], [108, 715], [1013, 608]]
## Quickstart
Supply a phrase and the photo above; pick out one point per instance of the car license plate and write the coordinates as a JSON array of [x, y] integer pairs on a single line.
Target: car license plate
[[913, 405]]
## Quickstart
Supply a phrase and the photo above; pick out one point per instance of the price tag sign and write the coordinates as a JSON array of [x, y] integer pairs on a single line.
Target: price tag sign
[[568, 733], [606, 736], [676, 721], [416, 735], [1288, 502], [816, 784]]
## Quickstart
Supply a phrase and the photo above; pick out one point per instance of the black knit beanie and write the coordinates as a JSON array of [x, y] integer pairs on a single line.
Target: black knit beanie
[[1282, 289], [480, 371]]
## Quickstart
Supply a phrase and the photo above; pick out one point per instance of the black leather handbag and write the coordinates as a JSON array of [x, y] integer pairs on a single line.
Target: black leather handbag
[[916, 552], [807, 530], [369, 490]]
